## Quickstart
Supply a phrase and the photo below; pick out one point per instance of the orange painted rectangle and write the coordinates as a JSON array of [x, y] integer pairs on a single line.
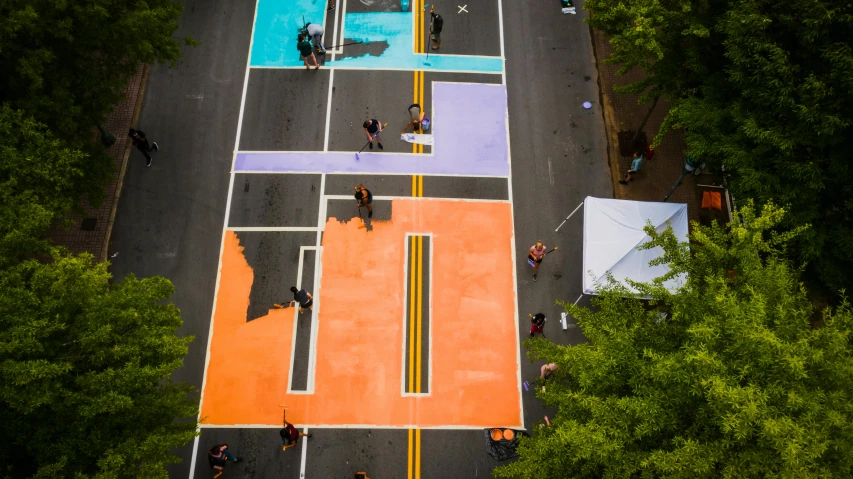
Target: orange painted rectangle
[[360, 334]]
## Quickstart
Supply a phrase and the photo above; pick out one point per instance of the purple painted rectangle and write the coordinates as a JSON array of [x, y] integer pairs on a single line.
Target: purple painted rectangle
[[471, 138]]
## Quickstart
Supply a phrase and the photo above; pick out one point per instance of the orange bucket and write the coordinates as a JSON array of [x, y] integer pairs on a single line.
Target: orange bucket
[[509, 434], [497, 435]]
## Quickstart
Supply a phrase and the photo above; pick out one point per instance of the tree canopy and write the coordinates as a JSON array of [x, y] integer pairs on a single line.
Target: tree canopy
[[743, 379], [85, 362], [85, 368], [764, 89], [66, 63]]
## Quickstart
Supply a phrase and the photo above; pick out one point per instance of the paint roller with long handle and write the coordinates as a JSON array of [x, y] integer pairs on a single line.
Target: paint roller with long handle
[[365, 145]]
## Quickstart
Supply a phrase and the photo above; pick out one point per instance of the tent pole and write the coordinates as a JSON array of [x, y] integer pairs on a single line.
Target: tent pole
[[567, 217], [579, 298]]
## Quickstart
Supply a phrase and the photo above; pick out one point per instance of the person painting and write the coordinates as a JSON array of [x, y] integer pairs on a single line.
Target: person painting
[[218, 456], [535, 255], [306, 52], [315, 33], [364, 197], [537, 324], [636, 164], [289, 434], [373, 130], [302, 297], [416, 116]]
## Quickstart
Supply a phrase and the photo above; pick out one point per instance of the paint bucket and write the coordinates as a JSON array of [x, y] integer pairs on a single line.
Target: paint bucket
[[509, 434], [497, 435]]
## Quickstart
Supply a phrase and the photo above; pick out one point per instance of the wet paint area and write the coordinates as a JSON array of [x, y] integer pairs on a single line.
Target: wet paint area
[[413, 322], [469, 123], [377, 35]]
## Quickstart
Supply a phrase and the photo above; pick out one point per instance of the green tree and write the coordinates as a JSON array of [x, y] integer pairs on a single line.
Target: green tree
[[743, 379], [39, 179], [669, 41], [779, 119], [67, 62], [85, 368], [763, 89]]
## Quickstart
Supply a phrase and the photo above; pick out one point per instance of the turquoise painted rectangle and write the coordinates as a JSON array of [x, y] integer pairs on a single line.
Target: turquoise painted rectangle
[[278, 22], [276, 27]]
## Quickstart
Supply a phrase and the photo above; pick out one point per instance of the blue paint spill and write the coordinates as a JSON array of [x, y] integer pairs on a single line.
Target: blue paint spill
[[274, 43]]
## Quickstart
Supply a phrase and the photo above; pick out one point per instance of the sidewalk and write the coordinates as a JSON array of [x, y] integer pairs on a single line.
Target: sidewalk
[[622, 115], [91, 232]]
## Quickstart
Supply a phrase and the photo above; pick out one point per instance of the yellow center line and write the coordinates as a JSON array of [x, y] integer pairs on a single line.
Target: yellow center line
[[412, 316], [416, 277]]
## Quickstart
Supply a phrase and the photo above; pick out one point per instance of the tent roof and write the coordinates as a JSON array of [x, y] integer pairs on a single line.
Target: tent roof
[[612, 231]]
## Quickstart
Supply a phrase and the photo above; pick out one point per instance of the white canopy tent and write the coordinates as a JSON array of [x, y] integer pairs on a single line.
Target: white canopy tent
[[612, 231]]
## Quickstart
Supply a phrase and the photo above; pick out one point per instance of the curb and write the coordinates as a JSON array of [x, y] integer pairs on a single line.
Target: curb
[[120, 180], [612, 133]]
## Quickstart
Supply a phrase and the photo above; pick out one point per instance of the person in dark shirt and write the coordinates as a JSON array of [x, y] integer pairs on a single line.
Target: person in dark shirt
[[289, 434], [435, 26], [302, 297], [141, 143], [364, 197], [306, 51], [218, 456], [373, 129], [537, 324]]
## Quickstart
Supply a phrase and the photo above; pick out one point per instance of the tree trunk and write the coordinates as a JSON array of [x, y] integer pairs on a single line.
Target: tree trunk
[[645, 119]]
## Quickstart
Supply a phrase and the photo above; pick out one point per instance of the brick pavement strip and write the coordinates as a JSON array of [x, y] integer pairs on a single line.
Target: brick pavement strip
[[623, 113], [96, 241]]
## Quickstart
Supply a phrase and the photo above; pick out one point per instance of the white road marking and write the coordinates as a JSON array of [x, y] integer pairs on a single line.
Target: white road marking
[[512, 216], [415, 198], [304, 455], [339, 66], [273, 228], [462, 8], [550, 173], [328, 110], [222, 240], [461, 427]]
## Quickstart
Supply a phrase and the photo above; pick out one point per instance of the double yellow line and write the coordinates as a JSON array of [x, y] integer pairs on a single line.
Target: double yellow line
[[417, 260]]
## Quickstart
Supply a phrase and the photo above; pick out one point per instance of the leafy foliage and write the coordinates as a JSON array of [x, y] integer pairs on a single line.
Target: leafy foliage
[[736, 383], [66, 63], [85, 369], [764, 89], [38, 181]]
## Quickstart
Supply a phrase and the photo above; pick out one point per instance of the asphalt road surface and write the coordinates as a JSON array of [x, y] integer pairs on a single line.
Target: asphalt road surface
[[181, 218]]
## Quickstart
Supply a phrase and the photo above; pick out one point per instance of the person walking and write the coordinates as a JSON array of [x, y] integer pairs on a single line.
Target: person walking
[[306, 51], [315, 33], [289, 434], [141, 143], [364, 197], [636, 164], [535, 256], [373, 130], [537, 324], [416, 116], [218, 456], [435, 25]]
